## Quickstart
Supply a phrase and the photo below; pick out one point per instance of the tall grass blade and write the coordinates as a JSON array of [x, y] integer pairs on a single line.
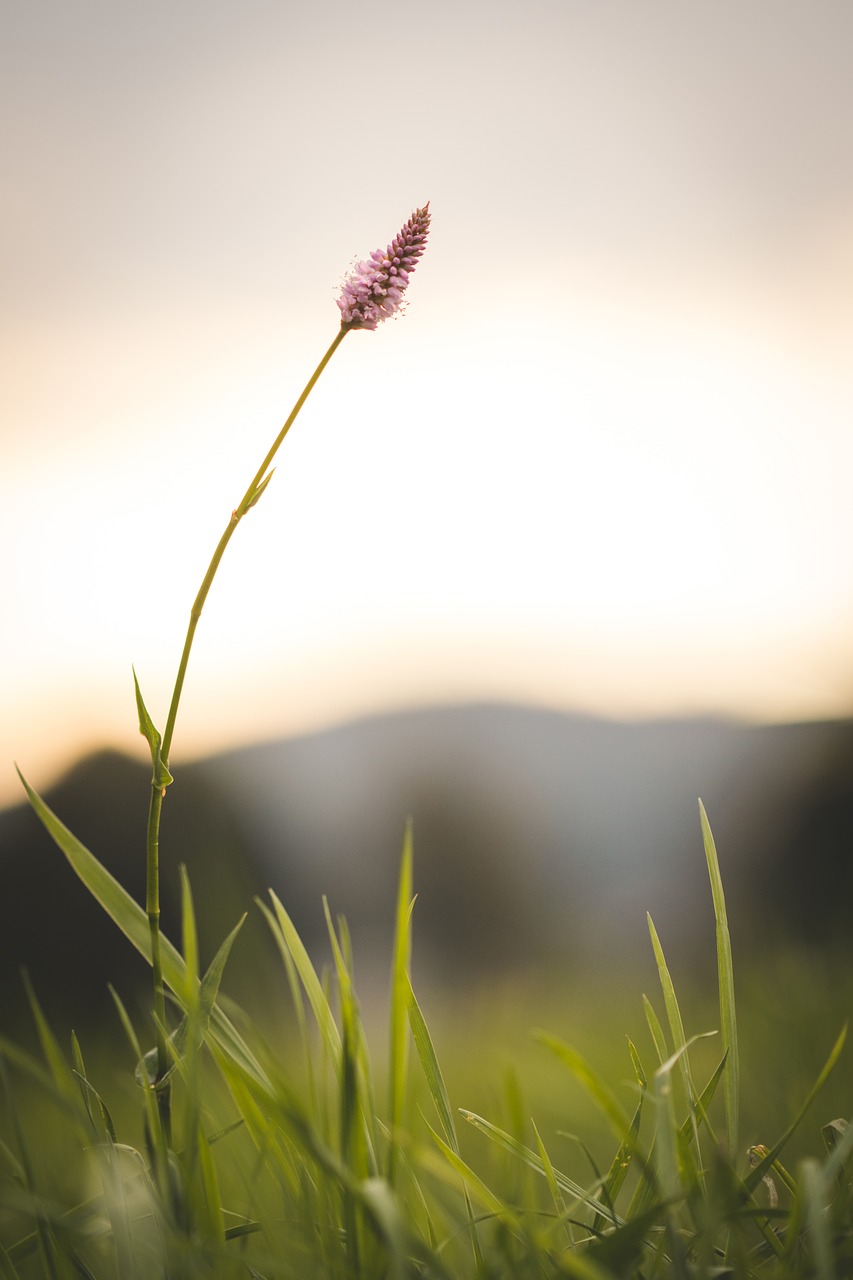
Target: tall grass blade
[[432, 1070], [725, 975], [53, 1055], [133, 922], [595, 1086], [441, 1100], [479, 1189], [399, 1027], [310, 981], [554, 1188], [676, 1028]]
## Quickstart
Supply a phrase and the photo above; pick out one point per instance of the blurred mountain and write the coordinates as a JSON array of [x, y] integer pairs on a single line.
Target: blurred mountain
[[538, 832], [537, 835]]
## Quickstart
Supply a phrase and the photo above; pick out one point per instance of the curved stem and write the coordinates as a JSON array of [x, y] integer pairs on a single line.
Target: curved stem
[[237, 514], [249, 498]]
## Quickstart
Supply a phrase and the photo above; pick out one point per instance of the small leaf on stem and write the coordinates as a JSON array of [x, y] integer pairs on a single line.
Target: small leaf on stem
[[162, 776]]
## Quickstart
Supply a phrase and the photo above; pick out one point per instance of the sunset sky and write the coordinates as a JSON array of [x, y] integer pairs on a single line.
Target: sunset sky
[[603, 461]]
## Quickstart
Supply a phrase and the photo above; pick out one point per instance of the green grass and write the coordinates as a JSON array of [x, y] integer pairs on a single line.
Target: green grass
[[300, 1150]]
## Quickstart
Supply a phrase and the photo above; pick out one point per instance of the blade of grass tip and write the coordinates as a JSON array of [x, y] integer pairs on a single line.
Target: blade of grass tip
[[189, 934], [360, 1048], [208, 990], [598, 1090], [647, 1188], [755, 1175], [80, 1067], [676, 1030], [655, 1030], [106, 1131], [351, 1149], [378, 1199], [639, 1070], [725, 973], [553, 1188], [298, 1005], [816, 1198], [399, 1028], [431, 1069], [53, 1055], [668, 1131], [311, 983]]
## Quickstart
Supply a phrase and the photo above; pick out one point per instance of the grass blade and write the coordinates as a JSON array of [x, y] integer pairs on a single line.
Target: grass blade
[[310, 981], [133, 922], [582, 1195], [441, 1100], [399, 1028], [676, 1028], [816, 1200], [725, 974]]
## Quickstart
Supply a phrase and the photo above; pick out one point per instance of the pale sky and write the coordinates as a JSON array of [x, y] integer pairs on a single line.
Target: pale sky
[[604, 460]]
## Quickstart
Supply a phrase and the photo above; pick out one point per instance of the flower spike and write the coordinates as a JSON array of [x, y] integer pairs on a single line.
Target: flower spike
[[373, 290]]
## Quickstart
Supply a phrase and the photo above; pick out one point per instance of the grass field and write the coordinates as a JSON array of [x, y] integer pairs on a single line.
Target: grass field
[[620, 1140]]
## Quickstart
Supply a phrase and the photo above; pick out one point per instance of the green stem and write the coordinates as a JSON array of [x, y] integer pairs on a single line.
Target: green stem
[[158, 791]]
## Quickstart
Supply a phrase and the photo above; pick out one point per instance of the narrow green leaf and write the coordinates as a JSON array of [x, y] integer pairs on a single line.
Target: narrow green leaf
[[676, 1025], [162, 777], [106, 1130], [553, 1186], [399, 1032], [725, 974], [478, 1188], [189, 935], [441, 1100], [50, 1048], [596, 1087], [582, 1195], [816, 1199], [308, 976], [637, 1065], [133, 922], [431, 1069], [260, 490], [618, 1170], [378, 1197], [656, 1030]]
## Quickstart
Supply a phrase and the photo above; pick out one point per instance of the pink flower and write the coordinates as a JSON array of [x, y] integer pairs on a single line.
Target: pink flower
[[373, 290]]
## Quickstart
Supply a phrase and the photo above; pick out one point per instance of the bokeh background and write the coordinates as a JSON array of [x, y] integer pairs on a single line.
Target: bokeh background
[[562, 548]]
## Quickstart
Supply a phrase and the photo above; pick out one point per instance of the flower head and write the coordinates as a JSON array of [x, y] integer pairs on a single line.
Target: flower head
[[374, 290]]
